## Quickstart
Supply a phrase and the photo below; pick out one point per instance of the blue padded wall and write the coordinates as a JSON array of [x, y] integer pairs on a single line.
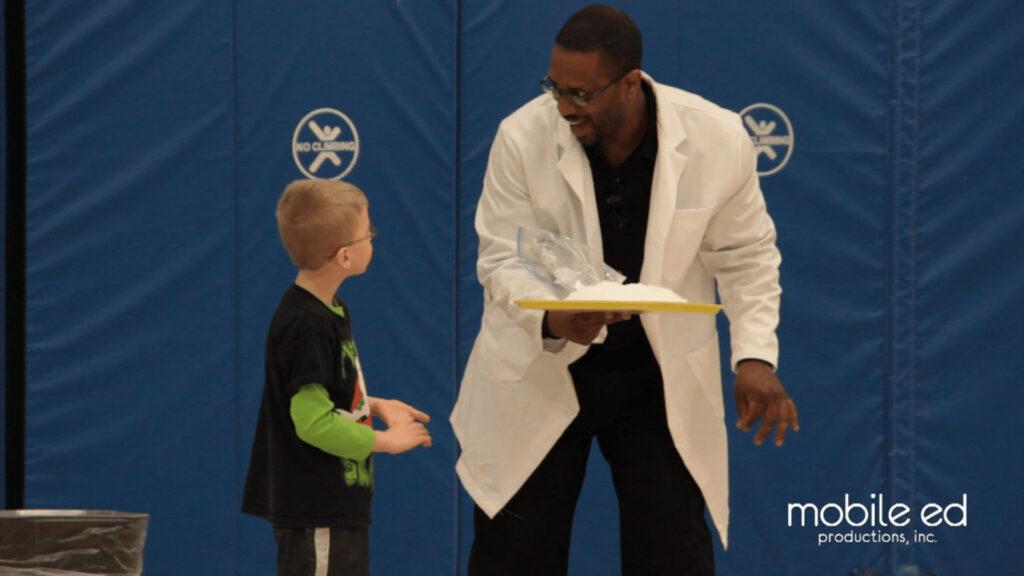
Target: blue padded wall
[[131, 302], [160, 136], [966, 224], [155, 264]]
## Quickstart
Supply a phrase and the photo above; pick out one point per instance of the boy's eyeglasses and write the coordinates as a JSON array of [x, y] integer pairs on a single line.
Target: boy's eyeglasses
[[577, 97], [373, 234]]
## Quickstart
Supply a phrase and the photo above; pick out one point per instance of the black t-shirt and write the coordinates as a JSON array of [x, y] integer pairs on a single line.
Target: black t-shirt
[[291, 483]]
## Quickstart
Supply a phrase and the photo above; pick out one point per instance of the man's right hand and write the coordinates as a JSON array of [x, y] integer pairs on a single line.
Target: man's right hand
[[580, 327], [401, 438]]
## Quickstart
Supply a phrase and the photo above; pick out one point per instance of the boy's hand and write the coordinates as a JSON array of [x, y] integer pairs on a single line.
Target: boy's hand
[[392, 412], [402, 438]]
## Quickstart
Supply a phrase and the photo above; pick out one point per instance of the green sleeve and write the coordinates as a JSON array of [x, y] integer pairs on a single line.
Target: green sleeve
[[318, 425]]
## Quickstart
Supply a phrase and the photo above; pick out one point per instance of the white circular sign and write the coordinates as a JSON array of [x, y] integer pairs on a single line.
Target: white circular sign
[[772, 135], [325, 144]]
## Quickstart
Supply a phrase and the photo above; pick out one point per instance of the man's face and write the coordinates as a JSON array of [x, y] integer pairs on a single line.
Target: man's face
[[588, 72]]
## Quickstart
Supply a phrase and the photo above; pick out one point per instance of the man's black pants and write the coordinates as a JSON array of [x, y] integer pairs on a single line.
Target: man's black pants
[[661, 510]]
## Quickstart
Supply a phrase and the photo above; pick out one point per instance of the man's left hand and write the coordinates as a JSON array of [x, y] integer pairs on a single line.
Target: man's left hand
[[760, 396]]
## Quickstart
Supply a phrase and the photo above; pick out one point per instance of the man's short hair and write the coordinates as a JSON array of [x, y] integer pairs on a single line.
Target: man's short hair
[[315, 217], [603, 28]]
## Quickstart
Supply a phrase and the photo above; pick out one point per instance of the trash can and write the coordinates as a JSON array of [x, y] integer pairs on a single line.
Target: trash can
[[71, 542]]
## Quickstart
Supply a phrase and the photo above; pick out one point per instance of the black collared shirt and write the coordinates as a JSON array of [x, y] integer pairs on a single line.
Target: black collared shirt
[[623, 196]]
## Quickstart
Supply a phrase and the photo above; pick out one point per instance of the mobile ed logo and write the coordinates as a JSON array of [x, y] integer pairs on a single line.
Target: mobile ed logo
[[772, 135], [325, 144]]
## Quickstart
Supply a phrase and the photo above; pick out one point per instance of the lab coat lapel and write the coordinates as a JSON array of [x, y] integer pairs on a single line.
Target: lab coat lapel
[[668, 169], [575, 169]]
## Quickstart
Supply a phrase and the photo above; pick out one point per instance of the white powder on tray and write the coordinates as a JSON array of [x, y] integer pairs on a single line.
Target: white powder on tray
[[625, 292]]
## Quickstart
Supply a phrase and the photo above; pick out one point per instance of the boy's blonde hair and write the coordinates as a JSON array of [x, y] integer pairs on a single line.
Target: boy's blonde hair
[[315, 217]]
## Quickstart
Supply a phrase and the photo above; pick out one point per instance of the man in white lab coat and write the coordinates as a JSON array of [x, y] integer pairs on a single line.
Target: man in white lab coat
[[661, 185]]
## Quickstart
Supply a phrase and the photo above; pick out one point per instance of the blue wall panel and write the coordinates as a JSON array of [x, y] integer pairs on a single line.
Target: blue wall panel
[[969, 309], [131, 282], [825, 67]]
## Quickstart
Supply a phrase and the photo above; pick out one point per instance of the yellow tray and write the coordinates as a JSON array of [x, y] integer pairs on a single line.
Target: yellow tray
[[620, 305]]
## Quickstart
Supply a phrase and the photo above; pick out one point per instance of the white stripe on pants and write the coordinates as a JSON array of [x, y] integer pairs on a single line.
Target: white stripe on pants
[[322, 546]]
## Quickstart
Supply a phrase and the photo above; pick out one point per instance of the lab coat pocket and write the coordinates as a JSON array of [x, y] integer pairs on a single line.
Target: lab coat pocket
[[486, 415], [683, 241], [705, 364], [507, 349]]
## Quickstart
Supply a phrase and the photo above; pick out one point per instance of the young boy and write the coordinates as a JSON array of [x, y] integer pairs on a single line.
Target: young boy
[[311, 469]]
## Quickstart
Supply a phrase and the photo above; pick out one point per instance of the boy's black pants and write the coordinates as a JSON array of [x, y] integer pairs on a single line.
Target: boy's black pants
[[322, 551], [661, 509]]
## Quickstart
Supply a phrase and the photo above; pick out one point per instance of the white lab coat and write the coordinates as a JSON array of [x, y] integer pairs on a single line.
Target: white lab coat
[[707, 221]]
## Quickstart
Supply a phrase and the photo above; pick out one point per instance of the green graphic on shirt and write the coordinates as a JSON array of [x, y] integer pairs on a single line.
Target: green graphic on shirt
[[358, 473], [349, 356]]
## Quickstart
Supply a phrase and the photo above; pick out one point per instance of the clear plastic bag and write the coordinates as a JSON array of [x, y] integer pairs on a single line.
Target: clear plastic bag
[[561, 262]]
